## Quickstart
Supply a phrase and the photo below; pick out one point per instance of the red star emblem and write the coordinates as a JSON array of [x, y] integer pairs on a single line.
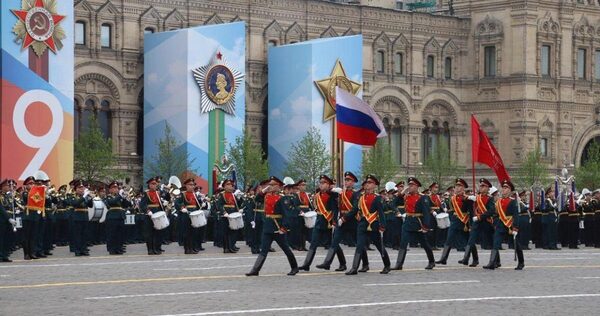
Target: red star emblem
[[40, 24], [219, 55]]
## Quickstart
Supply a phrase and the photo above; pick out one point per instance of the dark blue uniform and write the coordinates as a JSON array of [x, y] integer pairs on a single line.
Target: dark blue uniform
[[151, 202], [460, 211], [115, 223], [417, 210], [549, 226], [80, 216], [483, 204], [227, 203], [506, 221]]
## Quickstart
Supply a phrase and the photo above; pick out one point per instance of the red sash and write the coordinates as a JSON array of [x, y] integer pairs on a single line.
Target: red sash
[[436, 200], [365, 206], [154, 198], [501, 208], [456, 205], [346, 204], [321, 206]]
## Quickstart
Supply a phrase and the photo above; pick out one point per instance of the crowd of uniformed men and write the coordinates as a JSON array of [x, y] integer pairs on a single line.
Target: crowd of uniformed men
[[37, 217]]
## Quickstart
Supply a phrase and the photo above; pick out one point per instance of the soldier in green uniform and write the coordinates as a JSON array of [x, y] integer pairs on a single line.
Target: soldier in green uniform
[[31, 221], [417, 210], [257, 211], [62, 217], [483, 204], [371, 223], [80, 203], [326, 206], [185, 204], [549, 220], [227, 203], [7, 222], [150, 203], [507, 212], [275, 227], [115, 219], [460, 210]]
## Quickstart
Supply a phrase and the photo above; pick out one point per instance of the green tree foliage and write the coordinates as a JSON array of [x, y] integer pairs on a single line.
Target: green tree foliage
[[308, 159], [440, 167], [588, 174], [533, 171], [94, 158], [379, 161], [249, 161], [171, 159]]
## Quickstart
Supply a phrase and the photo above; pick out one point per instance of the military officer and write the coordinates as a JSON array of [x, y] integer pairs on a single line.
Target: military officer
[[227, 203], [588, 217], [417, 210], [275, 228], [305, 206], [257, 211], [326, 206], [507, 213], [115, 219], [80, 203], [460, 210], [371, 223], [483, 204], [150, 203]]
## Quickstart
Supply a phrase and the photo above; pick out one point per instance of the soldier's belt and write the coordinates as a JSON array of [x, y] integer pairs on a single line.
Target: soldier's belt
[[61, 209], [523, 214], [388, 212], [274, 216], [574, 214], [344, 211], [304, 206], [81, 209], [115, 208], [435, 207], [562, 213], [414, 214], [190, 206], [598, 211], [588, 213], [400, 207], [537, 213], [228, 205], [260, 211], [545, 214], [153, 205]]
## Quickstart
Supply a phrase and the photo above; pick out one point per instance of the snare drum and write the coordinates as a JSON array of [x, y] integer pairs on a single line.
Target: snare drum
[[236, 221], [160, 220], [198, 219], [98, 211], [443, 220], [130, 219], [310, 219]]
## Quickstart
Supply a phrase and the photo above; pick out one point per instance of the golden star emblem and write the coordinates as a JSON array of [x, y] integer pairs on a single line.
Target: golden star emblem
[[327, 86], [36, 197]]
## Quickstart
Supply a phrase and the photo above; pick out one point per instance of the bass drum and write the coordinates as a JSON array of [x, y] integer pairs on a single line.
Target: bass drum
[[98, 211]]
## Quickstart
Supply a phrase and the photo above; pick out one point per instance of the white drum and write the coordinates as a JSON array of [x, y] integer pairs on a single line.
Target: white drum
[[198, 218], [443, 220], [130, 219], [160, 220], [236, 221], [19, 223], [98, 211], [310, 219]]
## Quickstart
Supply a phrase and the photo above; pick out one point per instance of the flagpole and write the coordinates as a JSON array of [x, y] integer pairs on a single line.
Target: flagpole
[[472, 152]]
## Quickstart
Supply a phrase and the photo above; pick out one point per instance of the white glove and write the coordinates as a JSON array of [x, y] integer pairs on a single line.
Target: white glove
[[226, 215], [184, 210], [337, 190], [149, 213], [238, 193], [253, 224], [18, 212], [434, 213], [165, 203], [403, 215], [128, 212], [445, 210], [514, 233], [340, 222], [301, 213], [12, 222], [475, 219], [472, 198]]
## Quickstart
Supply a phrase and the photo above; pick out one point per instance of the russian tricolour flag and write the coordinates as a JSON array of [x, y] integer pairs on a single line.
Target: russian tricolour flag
[[357, 122]]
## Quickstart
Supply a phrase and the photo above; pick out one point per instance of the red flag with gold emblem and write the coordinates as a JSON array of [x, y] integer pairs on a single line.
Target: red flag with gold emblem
[[36, 199]]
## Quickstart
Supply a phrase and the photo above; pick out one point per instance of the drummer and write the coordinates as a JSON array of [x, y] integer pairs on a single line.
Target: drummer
[[151, 203], [80, 204], [115, 219], [227, 203], [185, 204]]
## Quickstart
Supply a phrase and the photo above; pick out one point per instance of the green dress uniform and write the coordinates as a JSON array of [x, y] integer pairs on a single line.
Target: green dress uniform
[[595, 206], [327, 214], [151, 202], [506, 213], [6, 229], [483, 204], [370, 215], [549, 225], [62, 221], [255, 210], [275, 228], [80, 205], [227, 203], [186, 201], [588, 223], [460, 210], [115, 223], [31, 221]]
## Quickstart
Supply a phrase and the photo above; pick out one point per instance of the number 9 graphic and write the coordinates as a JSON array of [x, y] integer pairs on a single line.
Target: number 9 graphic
[[43, 143]]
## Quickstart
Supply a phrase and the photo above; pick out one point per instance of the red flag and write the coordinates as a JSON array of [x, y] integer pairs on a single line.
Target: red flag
[[483, 151]]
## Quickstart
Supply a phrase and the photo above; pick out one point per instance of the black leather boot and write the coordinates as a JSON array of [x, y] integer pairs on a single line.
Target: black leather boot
[[445, 254], [328, 259], [260, 260], [430, 258], [355, 263], [475, 257], [400, 260], [521, 263], [386, 262], [293, 264], [342, 259], [465, 259], [365, 262], [493, 257], [310, 255]]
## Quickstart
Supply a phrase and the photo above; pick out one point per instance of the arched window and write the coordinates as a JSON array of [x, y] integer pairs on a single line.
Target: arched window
[[399, 63], [106, 35], [86, 114], [103, 115], [448, 68], [380, 61], [435, 139], [430, 66]]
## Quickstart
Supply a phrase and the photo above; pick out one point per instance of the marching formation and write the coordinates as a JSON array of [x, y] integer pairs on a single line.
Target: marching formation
[[36, 217]]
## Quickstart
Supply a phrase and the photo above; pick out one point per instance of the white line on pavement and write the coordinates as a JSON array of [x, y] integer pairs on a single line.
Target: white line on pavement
[[422, 283], [205, 268], [3, 275], [588, 278], [157, 294], [469, 299]]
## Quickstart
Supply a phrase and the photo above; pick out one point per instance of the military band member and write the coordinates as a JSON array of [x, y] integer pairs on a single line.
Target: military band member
[[588, 217], [524, 221], [483, 203], [595, 205], [258, 217], [549, 219], [31, 221], [436, 207], [7, 222], [460, 211], [371, 223], [80, 204], [151, 203], [417, 210], [305, 206], [275, 227], [326, 206], [506, 212], [227, 203], [115, 219], [62, 217], [185, 204]]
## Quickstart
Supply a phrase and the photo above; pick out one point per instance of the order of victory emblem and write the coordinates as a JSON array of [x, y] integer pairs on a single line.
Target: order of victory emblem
[[218, 83], [37, 26]]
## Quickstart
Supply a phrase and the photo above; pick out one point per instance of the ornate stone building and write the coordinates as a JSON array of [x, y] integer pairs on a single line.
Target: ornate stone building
[[529, 69]]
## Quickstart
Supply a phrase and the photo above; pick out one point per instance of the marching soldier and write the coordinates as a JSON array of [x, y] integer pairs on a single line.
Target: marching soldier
[[347, 199], [483, 204], [80, 203], [115, 219], [275, 227], [151, 203], [417, 209], [257, 211], [595, 205], [460, 210], [305, 206], [186, 204], [549, 219], [227, 203], [436, 208], [371, 223], [31, 218], [326, 206], [507, 213]]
